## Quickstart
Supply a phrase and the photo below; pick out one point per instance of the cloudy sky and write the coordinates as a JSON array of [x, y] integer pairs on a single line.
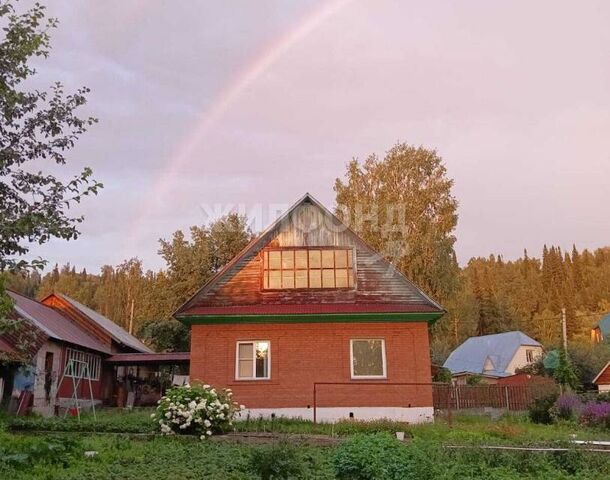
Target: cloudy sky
[[206, 105]]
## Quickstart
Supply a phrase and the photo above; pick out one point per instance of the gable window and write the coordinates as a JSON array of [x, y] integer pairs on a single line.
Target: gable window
[[293, 268], [368, 358], [82, 364], [529, 355], [253, 360]]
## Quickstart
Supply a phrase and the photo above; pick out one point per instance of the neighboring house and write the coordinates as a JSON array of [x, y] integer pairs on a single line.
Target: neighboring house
[[309, 302], [68, 335], [602, 380], [601, 331], [492, 356]]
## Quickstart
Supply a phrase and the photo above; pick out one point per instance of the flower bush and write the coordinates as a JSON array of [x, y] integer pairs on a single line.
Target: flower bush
[[196, 410], [596, 414], [568, 406]]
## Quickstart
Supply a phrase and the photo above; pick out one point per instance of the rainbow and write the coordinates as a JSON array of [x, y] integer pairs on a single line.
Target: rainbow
[[187, 149]]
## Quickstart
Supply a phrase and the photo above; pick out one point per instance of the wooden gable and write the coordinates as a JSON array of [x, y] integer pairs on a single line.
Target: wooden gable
[[308, 224], [603, 377]]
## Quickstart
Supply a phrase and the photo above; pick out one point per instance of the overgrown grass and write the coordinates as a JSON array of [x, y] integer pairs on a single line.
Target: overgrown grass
[[513, 429], [169, 457]]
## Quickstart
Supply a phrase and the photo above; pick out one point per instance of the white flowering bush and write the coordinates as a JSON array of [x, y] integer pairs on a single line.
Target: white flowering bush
[[196, 410]]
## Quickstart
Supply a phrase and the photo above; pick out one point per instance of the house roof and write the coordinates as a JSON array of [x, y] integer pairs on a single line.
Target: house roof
[[415, 300], [604, 325], [114, 330], [601, 372], [496, 351], [54, 324]]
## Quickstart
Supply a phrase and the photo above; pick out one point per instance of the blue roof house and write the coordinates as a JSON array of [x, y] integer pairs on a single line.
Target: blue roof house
[[493, 356], [601, 332]]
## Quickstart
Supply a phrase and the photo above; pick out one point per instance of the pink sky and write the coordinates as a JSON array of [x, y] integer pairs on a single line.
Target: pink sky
[[255, 103]]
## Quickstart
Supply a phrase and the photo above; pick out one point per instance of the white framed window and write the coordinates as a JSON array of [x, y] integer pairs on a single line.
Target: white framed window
[[80, 359], [529, 356], [253, 360], [367, 357]]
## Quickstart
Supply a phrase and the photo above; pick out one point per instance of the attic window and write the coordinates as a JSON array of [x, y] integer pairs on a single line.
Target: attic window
[[308, 268]]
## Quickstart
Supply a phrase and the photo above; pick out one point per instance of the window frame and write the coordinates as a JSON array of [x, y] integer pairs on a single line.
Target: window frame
[[383, 360], [94, 363], [308, 249], [253, 378], [530, 355]]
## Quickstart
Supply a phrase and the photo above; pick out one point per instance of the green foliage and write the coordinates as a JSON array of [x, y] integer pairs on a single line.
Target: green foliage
[[371, 457], [108, 421], [443, 375], [152, 297], [21, 452], [540, 410], [474, 380], [565, 374], [402, 205], [278, 461], [37, 126]]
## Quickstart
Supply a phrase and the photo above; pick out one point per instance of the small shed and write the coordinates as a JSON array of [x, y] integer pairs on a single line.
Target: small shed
[[602, 381]]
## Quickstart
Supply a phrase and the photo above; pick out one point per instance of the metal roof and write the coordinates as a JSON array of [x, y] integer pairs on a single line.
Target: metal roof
[[115, 331], [143, 358], [191, 306], [496, 350], [54, 324]]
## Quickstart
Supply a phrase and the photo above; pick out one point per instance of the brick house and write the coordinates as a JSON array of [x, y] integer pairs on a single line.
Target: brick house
[[308, 302]]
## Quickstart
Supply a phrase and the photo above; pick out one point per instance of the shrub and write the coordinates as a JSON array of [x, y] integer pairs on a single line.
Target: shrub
[[278, 461], [371, 457], [540, 410], [195, 410], [567, 407], [596, 414], [22, 453]]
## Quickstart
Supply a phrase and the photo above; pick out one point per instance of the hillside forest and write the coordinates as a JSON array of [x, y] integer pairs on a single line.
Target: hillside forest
[[485, 295]]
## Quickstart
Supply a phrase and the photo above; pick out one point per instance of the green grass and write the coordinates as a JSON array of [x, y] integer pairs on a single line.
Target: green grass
[[512, 429], [25, 455], [53, 458]]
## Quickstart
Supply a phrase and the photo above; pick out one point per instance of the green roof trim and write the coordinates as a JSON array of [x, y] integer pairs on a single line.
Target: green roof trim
[[429, 317]]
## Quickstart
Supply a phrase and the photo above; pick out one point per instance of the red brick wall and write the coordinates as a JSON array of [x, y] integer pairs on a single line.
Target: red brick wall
[[302, 354]]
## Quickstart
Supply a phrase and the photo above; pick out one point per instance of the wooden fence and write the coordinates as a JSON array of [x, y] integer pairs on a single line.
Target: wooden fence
[[508, 397]]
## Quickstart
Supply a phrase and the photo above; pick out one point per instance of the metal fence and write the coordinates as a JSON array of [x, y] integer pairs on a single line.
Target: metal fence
[[508, 397]]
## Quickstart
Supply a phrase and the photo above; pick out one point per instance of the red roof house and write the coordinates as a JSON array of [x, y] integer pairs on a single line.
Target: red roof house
[[65, 334], [602, 380], [309, 306]]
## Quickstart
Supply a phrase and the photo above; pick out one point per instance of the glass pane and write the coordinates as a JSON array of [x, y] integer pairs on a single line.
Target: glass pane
[[265, 279], [275, 259], [288, 279], [275, 279], [246, 351], [300, 259], [328, 278], [341, 275], [368, 358], [315, 279], [300, 279], [314, 259], [288, 259], [245, 368], [265, 260], [341, 258], [328, 259], [350, 278], [262, 359]]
